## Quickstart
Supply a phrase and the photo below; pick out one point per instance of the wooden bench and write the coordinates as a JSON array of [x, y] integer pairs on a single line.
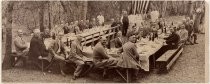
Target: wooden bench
[[164, 62]]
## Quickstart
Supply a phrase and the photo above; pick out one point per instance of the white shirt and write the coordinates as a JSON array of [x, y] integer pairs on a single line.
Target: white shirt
[[154, 15], [100, 19], [183, 34]]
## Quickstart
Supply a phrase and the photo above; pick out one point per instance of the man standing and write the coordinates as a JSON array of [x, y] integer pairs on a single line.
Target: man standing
[[21, 46], [193, 34], [100, 18], [93, 23], [65, 28], [76, 28], [125, 22], [71, 27], [82, 25]]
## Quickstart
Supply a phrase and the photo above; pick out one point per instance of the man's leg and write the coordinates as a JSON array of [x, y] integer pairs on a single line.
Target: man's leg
[[61, 61], [123, 31], [195, 38], [80, 65], [126, 29], [135, 74]]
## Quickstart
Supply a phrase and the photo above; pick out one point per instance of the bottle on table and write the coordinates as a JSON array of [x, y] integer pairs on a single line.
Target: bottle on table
[[67, 44]]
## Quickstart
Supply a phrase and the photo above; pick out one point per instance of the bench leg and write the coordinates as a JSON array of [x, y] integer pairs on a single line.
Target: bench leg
[[120, 74], [128, 76], [104, 73]]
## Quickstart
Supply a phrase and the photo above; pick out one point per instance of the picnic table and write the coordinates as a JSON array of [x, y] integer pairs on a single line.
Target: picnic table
[[91, 35], [145, 48]]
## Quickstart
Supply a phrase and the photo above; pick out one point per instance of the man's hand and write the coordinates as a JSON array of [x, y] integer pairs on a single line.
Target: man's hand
[[40, 57], [112, 58]]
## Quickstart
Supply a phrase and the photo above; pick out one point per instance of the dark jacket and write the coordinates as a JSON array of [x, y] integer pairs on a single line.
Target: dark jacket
[[37, 48], [114, 24], [118, 42], [125, 22], [173, 39]]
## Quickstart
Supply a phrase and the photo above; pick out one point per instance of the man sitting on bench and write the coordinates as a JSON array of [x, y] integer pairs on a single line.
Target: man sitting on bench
[[101, 58], [183, 33], [77, 56], [60, 52], [171, 42], [37, 49], [21, 47]]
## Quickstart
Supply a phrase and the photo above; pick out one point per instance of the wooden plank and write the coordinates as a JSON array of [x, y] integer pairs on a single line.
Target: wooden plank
[[174, 59], [166, 55], [106, 35]]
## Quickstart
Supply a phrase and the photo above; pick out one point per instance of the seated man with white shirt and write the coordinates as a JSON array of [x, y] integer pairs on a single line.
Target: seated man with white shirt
[[183, 33], [21, 47]]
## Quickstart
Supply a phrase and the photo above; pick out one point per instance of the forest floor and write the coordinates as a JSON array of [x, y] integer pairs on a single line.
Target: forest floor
[[189, 68]]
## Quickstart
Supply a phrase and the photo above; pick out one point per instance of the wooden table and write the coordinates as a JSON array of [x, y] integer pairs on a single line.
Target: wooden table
[[147, 52], [91, 35]]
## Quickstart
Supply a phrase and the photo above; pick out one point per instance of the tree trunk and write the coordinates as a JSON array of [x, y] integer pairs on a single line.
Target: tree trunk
[[41, 18], [85, 7], [7, 63], [49, 16], [189, 12]]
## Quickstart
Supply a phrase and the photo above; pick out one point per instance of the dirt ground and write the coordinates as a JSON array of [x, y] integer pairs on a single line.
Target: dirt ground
[[189, 68]]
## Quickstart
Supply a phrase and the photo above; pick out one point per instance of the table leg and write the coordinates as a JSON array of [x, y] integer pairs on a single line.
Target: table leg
[[43, 68]]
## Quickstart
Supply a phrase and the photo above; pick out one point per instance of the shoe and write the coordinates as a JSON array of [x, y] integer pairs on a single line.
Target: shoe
[[192, 43], [74, 77], [62, 73], [195, 43]]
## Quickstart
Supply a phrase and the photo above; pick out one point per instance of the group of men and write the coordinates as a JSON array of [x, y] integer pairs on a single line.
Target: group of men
[[79, 26], [125, 42]]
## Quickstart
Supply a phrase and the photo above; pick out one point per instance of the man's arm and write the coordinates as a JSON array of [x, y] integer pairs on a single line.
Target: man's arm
[[103, 53], [74, 51], [186, 35], [65, 48], [171, 39], [42, 48], [136, 52]]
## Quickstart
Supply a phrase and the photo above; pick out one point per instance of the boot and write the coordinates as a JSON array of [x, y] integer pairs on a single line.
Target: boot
[[62, 73], [195, 42], [75, 77]]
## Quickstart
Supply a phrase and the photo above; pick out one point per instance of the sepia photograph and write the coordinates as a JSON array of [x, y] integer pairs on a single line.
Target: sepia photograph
[[85, 41]]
